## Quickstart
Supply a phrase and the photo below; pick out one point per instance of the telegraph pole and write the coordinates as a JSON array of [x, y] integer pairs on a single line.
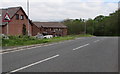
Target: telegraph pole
[[28, 17], [85, 28], [93, 28], [119, 5]]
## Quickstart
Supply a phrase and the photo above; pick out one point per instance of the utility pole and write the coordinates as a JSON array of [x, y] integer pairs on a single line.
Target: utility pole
[[85, 27], [28, 17], [119, 5], [93, 29]]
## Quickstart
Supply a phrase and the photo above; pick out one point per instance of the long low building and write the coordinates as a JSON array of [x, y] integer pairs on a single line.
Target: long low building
[[20, 24], [51, 28]]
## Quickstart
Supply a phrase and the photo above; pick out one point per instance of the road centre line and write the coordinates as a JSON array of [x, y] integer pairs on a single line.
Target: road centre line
[[47, 59], [36, 47], [81, 46], [42, 45]]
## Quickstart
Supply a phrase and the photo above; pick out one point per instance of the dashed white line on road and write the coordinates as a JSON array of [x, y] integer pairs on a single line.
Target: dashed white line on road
[[35, 46], [81, 46], [96, 41], [34, 64]]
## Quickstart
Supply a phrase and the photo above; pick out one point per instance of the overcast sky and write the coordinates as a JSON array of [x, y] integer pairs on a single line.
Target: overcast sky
[[57, 10]]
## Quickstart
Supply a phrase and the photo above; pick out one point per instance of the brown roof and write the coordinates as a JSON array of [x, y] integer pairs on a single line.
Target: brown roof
[[11, 11], [50, 24]]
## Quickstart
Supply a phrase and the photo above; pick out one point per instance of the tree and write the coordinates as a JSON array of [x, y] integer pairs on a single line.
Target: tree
[[99, 26], [74, 26], [99, 18], [90, 26]]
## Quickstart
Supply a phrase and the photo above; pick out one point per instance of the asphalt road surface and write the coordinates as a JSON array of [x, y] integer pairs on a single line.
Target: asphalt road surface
[[87, 54]]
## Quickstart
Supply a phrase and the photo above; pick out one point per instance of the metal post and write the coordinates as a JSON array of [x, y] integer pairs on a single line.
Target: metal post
[[7, 29], [7, 25]]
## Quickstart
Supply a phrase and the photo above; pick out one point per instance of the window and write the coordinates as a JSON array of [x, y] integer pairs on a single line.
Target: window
[[17, 16], [22, 17]]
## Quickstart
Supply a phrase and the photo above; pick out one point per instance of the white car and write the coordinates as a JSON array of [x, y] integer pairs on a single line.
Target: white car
[[48, 36], [39, 36]]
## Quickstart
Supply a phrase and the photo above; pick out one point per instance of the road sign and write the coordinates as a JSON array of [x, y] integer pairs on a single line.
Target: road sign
[[6, 18]]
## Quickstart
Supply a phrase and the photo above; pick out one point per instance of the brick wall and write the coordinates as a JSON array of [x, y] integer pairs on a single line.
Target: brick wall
[[15, 27], [64, 32], [4, 30], [35, 30]]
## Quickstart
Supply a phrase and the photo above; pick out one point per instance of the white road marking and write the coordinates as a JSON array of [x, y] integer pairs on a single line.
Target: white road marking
[[26, 48], [35, 46], [81, 46], [34, 64], [96, 41], [19, 50]]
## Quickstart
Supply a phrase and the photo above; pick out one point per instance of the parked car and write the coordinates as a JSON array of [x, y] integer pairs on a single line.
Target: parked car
[[48, 36], [40, 36]]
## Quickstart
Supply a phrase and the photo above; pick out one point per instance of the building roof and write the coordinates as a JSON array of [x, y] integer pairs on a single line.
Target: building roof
[[50, 24], [11, 11]]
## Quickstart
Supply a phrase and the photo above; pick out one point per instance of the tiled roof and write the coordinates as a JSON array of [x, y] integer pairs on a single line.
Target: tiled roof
[[11, 11], [50, 24]]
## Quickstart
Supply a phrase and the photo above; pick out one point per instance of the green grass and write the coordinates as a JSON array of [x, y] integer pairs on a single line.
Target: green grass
[[25, 40]]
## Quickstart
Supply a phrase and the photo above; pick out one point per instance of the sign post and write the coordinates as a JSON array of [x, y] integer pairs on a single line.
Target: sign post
[[7, 29], [7, 20]]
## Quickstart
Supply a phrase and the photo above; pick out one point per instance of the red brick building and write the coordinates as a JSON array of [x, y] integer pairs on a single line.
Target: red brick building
[[51, 28], [18, 20]]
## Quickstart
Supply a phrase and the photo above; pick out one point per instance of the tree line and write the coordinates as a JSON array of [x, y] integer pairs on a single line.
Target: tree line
[[99, 26]]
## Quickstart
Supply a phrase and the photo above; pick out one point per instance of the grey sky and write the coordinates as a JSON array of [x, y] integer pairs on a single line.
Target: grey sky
[[51, 10]]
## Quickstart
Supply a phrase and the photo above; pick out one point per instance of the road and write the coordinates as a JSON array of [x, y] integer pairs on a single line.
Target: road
[[86, 54]]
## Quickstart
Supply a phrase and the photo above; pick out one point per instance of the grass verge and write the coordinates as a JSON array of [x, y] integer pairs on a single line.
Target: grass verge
[[25, 40]]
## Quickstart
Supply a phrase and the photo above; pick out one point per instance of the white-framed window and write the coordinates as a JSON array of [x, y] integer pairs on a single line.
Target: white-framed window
[[22, 17]]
